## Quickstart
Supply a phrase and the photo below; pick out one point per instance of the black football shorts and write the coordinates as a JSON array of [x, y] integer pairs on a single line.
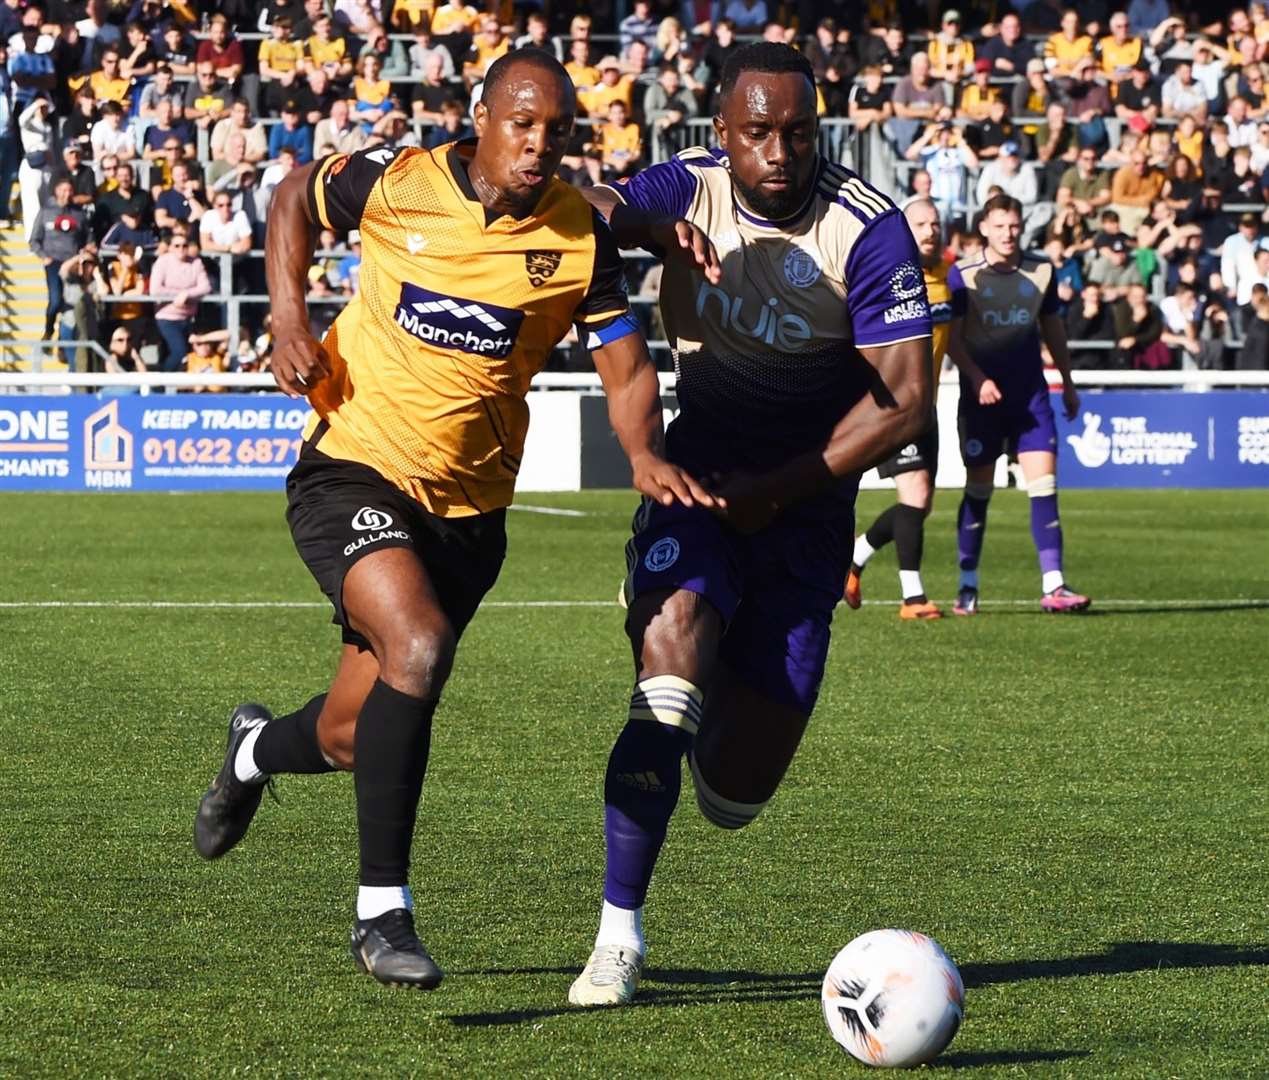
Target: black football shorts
[[921, 454], [341, 511]]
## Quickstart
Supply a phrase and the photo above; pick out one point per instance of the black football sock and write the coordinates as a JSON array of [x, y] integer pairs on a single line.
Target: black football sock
[[289, 743], [394, 732], [883, 529], [909, 544]]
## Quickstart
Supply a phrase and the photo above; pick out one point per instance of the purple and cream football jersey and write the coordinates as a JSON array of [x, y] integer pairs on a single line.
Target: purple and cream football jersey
[[767, 360]]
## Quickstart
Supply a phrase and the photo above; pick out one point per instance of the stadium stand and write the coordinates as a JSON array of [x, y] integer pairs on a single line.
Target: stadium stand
[[1139, 144]]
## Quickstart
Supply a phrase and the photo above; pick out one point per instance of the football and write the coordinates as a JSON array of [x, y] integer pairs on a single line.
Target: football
[[893, 998]]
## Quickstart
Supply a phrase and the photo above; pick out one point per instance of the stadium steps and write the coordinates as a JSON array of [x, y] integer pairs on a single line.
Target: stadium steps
[[23, 298]]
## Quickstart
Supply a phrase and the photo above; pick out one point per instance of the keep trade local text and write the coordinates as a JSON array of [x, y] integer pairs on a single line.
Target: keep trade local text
[[224, 419]]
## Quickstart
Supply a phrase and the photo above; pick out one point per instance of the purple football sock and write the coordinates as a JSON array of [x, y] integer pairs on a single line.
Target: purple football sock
[[1046, 531], [641, 790], [971, 523]]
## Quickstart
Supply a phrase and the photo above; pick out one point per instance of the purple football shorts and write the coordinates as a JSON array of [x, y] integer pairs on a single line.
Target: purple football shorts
[[775, 590], [986, 430]]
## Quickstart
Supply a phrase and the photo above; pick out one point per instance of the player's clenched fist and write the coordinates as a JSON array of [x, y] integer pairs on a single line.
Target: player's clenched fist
[[299, 363]]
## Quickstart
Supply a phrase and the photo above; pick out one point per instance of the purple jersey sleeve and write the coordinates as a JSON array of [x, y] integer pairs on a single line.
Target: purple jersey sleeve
[[885, 287], [662, 189], [960, 299]]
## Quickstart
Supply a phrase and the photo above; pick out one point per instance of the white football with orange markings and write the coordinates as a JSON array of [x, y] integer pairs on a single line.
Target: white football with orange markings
[[893, 998]]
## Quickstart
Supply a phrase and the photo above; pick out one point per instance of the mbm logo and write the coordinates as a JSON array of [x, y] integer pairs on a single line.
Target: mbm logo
[[785, 330], [1015, 316], [454, 323]]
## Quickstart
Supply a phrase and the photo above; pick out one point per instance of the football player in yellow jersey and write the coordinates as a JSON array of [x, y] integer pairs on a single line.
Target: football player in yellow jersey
[[915, 466], [475, 262]]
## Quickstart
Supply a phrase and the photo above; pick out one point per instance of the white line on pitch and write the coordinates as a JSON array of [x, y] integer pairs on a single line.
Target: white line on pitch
[[555, 511], [236, 605]]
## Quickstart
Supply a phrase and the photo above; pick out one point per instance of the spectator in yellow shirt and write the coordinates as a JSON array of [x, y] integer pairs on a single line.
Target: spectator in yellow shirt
[[326, 51], [619, 143], [1068, 45], [1119, 51], [976, 98], [490, 44], [279, 59], [107, 83], [578, 67], [951, 55], [613, 86]]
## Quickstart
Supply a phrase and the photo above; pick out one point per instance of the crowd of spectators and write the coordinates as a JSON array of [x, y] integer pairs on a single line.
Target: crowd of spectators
[[141, 140]]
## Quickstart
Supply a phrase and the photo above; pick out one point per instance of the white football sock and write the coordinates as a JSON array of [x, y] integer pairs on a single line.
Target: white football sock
[[376, 900], [621, 926], [969, 579], [245, 769], [863, 550], [1051, 580], [910, 583]]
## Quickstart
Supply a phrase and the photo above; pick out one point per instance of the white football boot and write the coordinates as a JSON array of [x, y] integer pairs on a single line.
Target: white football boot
[[611, 977]]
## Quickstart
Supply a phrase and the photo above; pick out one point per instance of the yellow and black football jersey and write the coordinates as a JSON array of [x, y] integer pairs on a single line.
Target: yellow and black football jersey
[[457, 310], [940, 282]]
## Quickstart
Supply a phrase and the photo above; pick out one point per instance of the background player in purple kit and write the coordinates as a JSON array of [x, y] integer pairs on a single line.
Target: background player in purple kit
[[802, 359], [1007, 303]]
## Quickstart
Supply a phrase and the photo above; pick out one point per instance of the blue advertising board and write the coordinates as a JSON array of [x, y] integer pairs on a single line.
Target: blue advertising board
[[155, 442], [1165, 439]]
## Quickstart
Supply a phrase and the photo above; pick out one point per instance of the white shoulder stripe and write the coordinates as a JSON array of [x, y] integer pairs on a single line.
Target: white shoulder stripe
[[848, 194], [865, 193]]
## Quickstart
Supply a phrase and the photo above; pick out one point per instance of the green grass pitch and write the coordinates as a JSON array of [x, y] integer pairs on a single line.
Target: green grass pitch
[[1075, 807]]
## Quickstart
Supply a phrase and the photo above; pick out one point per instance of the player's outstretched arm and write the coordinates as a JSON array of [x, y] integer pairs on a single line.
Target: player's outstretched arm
[[895, 411], [298, 360], [986, 389], [634, 227], [1054, 334], [634, 410]]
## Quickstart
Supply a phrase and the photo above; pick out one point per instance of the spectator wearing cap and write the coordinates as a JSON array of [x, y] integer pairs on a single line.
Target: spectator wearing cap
[[240, 122], [1120, 50], [1139, 96], [1084, 185], [951, 55], [80, 173], [976, 98], [1069, 44], [1011, 174], [1088, 104], [614, 85], [1133, 188], [292, 132], [59, 230], [1009, 52], [1114, 269], [1031, 96], [1183, 94], [917, 99]]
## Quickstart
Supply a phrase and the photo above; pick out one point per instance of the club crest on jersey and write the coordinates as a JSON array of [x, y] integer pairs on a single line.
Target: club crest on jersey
[[662, 555], [452, 322], [541, 265], [907, 282], [800, 269]]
